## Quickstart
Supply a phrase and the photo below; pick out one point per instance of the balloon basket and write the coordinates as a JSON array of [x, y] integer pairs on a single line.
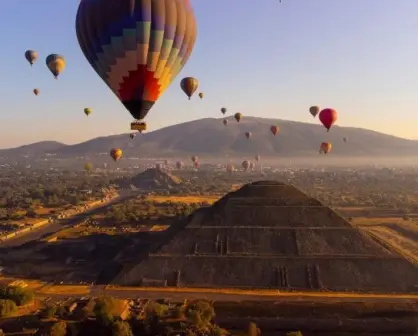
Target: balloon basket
[[138, 126]]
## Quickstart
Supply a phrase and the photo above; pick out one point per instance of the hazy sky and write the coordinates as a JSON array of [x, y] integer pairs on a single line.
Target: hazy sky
[[259, 57]]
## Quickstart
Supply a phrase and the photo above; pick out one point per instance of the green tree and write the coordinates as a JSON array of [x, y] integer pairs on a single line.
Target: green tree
[[7, 307], [49, 311], [103, 310], [121, 328], [19, 295], [58, 329]]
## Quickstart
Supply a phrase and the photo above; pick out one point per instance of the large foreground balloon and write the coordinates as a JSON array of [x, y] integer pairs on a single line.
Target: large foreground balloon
[[31, 56], [314, 110], [55, 64], [189, 85], [137, 47], [325, 147], [116, 153], [328, 117]]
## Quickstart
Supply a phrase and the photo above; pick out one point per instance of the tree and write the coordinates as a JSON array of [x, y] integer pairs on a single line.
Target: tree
[[58, 329], [121, 328], [49, 311], [7, 307], [104, 309], [19, 295]]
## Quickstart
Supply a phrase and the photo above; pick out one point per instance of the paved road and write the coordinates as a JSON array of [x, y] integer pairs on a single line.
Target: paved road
[[55, 227]]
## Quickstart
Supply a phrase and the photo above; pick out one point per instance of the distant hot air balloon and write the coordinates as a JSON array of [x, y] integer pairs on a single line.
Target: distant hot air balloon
[[245, 164], [31, 56], [248, 135], [179, 164], [189, 85], [137, 47], [328, 117], [252, 165], [116, 154], [257, 158], [88, 167], [159, 166], [325, 147], [36, 91], [223, 110], [201, 95], [225, 121], [345, 139], [87, 111], [197, 164], [314, 110], [55, 64], [274, 129], [132, 135], [166, 162], [238, 116], [230, 168], [194, 158]]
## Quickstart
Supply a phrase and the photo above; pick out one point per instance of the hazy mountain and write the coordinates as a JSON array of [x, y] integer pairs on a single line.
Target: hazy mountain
[[210, 137], [36, 148]]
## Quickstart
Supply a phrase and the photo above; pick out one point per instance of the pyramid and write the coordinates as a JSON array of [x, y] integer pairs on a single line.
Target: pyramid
[[271, 235], [152, 179]]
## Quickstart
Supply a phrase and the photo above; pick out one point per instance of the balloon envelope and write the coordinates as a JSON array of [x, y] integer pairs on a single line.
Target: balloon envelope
[[328, 117], [55, 64], [31, 56], [223, 110], [314, 110], [116, 153], [87, 111], [36, 92], [189, 85], [137, 47], [238, 116], [274, 129], [326, 147]]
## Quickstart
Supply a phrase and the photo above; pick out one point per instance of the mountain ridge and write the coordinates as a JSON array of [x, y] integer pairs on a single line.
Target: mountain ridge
[[209, 136]]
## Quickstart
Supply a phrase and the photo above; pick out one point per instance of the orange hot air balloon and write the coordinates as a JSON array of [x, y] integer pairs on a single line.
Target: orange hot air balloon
[[189, 85], [225, 121], [238, 116], [116, 154], [328, 117], [245, 164], [194, 158], [325, 147], [274, 129], [248, 135]]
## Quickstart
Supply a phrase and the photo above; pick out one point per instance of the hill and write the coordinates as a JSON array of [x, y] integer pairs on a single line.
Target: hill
[[36, 148], [210, 137], [271, 235], [151, 179]]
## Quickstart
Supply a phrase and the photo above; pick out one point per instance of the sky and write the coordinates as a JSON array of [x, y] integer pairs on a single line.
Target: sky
[[259, 57]]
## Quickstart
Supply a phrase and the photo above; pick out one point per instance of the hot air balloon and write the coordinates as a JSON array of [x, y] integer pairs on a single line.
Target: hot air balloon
[[179, 164], [238, 116], [230, 168], [132, 135], [201, 95], [223, 110], [252, 165], [245, 164], [55, 64], [159, 166], [166, 162], [194, 158], [345, 139], [197, 164], [314, 110], [87, 111], [88, 167], [257, 158], [189, 85], [36, 91], [325, 147], [328, 117], [225, 121], [31, 56], [248, 135], [116, 154], [137, 47], [274, 129]]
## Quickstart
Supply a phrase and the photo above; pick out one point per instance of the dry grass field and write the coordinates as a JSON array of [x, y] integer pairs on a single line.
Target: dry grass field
[[65, 289], [184, 199]]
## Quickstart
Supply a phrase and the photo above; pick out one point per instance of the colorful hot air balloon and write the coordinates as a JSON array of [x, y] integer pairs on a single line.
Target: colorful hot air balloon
[[31, 56], [88, 167], [230, 168], [137, 47], [194, 158], [36, 91], [257, 158], [248, 135], [189, 85], [314, 110], [116, 154], [223, 110], [201, 95], [132, 135], [238, 116], [274, 129], [87, 111], [245, 164], [225, 121], [55, 64], [179, 164], [325, 147], [328, 117]]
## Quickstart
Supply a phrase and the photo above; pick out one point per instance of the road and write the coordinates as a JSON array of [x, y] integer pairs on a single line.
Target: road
[[63, 223]]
